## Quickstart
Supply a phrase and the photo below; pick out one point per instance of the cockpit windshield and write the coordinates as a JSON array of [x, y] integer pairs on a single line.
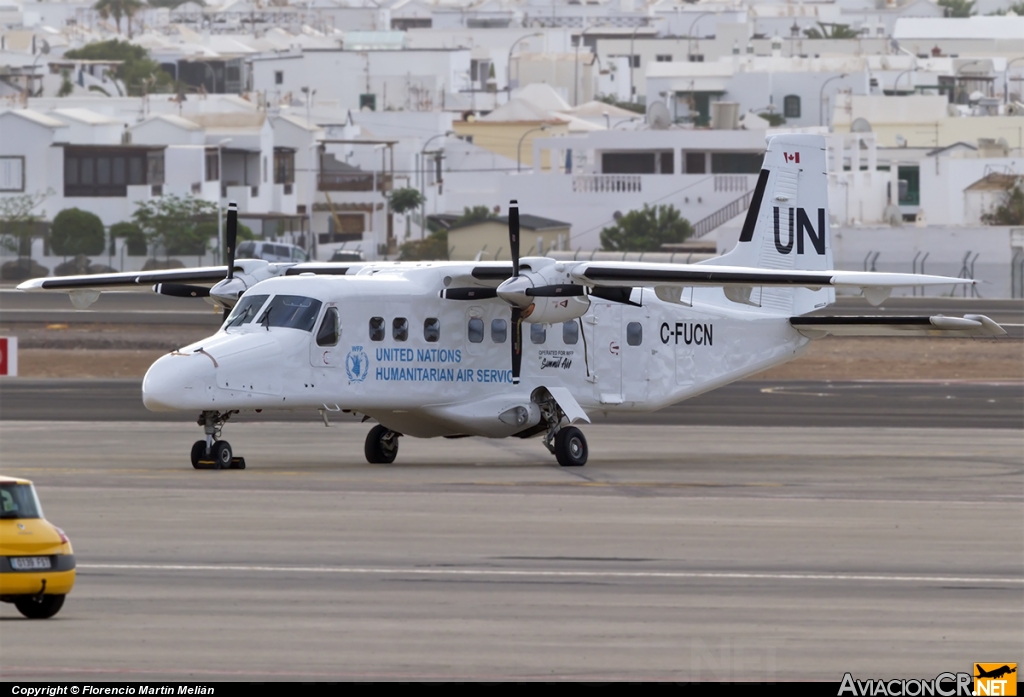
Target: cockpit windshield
[[245, 310], [294, 311]]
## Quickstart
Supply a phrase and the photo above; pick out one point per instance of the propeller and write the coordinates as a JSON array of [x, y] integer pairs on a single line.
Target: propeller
[[513, 284], [469, 293], [231, 237], [181, 290]]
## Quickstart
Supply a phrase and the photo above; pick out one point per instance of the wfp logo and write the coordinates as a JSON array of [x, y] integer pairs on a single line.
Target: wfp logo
[[995, 679], [357, 364]]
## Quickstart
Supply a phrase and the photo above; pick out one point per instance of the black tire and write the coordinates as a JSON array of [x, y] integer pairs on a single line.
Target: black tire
[[571, 447], [221, 455], [377, 452], [198, 452], [39, 609]]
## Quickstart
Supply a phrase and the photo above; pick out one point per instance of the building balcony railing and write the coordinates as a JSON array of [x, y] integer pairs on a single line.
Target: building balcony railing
[[732, 182], [353, 181], [606, 183]]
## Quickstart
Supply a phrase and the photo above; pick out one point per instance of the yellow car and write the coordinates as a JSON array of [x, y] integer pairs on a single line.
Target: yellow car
[[37, 566]]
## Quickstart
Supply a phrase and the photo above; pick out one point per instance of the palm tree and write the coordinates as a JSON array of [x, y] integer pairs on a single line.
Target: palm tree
[[118, 9]]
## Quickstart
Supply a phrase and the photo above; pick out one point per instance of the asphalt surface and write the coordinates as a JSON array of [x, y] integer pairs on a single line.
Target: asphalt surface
[[748, 403], [683, 553]]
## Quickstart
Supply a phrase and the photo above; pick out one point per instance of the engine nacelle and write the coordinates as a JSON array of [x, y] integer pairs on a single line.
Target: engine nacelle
[[556, 310]]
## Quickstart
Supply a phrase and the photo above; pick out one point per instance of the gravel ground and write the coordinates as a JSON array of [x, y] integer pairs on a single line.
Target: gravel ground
[[124, 351]]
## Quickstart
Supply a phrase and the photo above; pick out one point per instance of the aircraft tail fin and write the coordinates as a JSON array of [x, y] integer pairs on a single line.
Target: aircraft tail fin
[[787, 224]]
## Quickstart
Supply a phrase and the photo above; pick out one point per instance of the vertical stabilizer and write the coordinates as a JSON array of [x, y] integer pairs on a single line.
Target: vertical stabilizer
[[787, 225]]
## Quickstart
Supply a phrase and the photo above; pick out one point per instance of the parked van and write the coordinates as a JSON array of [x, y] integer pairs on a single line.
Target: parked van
[[271, 251]]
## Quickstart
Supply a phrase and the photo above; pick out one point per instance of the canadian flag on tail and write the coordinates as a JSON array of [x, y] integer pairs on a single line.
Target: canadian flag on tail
[[792, 157]]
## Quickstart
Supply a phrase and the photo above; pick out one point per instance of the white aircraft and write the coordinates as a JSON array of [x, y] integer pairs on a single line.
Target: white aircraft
[[524, 349]]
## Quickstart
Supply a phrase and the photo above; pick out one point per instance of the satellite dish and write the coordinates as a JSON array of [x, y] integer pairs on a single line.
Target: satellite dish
[[658, 116], [860, 125]]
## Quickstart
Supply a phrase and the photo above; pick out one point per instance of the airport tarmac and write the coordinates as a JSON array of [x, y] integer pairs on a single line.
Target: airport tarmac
[[678, 553]]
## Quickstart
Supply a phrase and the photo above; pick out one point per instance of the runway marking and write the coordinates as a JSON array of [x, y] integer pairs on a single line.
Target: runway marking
[[709, 575]]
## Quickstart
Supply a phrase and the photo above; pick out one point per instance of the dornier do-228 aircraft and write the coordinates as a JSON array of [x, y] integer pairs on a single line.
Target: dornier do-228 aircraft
[[526, 348]]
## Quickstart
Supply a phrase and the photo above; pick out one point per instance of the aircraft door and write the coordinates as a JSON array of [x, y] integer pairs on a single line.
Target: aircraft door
[[608, 349], [635, 356], [324, 349]]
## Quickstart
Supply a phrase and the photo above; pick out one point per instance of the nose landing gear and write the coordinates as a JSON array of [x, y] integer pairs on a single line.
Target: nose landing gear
[[381, 445], [214, 453]]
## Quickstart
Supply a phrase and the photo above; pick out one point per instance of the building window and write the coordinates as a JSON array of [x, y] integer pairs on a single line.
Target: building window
[[634, 333], [663, 58], [696, 163], [570, 332], [736, 162], [376, 329], [791, 106], [499, 331], [399, 329], [284, 166], [12, 173], [101, 172], [212, 166], [432, 329], [476, 330], [538, 333], [278, 77]]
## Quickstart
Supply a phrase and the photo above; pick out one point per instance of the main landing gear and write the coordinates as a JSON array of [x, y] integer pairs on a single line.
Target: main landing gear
[[214, 453], [566, 443], [381, 445]]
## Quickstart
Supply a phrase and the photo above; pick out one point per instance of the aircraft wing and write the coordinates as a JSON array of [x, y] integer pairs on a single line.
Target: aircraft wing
[[204, 275], [891, 325], [625, 274]]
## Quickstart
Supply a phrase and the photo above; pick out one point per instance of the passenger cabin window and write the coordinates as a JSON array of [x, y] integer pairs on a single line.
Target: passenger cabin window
[[376, 329], [538, 333], [245, 310], [291, 311], [399, 329], [499, 331], [634, 333], [432, 329], [475, 330], [570, 332], [330, 329]]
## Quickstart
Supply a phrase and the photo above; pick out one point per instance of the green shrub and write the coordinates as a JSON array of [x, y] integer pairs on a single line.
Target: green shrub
[[135, 239], [75, 231]]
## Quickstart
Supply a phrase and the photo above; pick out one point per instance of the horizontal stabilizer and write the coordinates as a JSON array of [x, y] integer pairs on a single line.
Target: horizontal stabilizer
[[893, 325]]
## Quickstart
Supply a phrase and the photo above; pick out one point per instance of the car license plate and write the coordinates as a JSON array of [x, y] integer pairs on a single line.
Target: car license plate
[[30, 563]]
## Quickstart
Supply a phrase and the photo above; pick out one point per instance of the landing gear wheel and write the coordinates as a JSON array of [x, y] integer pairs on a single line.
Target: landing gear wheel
[[381, 445], [571, 447], [221, 455], [36, 608], [198, 453]]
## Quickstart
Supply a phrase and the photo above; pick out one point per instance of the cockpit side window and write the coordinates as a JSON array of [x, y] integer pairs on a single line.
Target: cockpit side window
[[245, 310], [330, 329], [292, 311]]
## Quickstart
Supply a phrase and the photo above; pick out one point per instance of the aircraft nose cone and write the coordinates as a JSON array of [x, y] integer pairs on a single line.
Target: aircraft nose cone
[[177, 381]]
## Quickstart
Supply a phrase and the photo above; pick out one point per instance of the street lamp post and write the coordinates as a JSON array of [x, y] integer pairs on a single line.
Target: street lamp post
[[519, 148], [220, 192], [821, 96], [689, 34], [632, 89], [896, 84], [423, 181], [508, 66]]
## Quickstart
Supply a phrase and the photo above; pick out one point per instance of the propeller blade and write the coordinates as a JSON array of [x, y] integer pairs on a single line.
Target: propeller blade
[[614, 294], [469, 293], [517, 343], [513, 235], [231, 237], [181, 290], [561, 290]]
